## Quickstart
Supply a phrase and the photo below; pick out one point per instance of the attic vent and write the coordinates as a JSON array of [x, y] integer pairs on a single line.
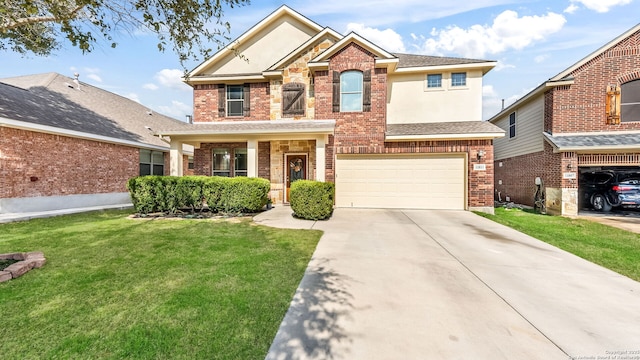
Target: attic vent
[[149, 112]]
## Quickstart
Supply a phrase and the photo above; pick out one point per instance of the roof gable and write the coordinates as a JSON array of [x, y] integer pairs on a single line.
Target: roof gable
[[261, 46], [596, 53], [326, 33], [352, 37]]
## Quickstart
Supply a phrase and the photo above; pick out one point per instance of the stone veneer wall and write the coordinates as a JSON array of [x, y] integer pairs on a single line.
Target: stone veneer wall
[[278, 151]]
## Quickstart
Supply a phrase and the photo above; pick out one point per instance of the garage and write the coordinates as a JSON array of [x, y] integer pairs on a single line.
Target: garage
[[401, 181]]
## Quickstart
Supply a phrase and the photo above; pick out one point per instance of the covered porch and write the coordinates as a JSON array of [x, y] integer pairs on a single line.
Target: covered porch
[[280, 151]]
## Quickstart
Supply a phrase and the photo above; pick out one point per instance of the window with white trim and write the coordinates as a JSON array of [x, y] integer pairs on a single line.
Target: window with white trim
[[351, 91], [235, 100], [151, 162], [434, 81], [458, 79]]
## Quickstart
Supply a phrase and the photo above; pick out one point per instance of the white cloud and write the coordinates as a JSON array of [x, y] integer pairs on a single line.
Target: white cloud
[[133, 96], [387, 39], [601, 6], [572, 8], [150, 86], [508, 31], [502, 64], [541, 58], [95, 77], [171, 78], [176, 110]]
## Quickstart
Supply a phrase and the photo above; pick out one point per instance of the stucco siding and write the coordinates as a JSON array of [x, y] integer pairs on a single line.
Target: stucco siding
[[410, 101], [529, 126], [271, 44]]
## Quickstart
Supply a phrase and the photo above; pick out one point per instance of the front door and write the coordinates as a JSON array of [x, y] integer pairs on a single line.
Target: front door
[[295, 169]]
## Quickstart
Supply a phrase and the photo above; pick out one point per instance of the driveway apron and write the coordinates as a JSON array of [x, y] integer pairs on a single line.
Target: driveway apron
[[418, 284]]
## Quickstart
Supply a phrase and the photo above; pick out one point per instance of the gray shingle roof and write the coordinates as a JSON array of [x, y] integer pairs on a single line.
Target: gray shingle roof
[[54, 100], [585, 141], [443, 128], [252, 127], [411, 60]]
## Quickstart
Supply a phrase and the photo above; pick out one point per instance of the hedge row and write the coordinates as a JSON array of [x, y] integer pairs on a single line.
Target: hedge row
[[151, 194], [312, 200]]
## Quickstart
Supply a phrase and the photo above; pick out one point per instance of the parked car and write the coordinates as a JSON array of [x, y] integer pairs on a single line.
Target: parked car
[[604, 190]]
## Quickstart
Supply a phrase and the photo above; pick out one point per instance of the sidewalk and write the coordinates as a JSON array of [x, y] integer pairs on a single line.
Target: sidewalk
[[11, 217]]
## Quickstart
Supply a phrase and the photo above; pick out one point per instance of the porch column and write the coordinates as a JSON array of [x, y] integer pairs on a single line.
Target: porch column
[[175, 159], [252, 158], [321, 163]]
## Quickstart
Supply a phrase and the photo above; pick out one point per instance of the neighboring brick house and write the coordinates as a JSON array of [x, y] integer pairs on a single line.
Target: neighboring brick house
[[66, 144], [295, 100], [586, 118]]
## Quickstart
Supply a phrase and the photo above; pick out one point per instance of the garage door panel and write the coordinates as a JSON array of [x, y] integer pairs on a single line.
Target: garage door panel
[[424, 182]]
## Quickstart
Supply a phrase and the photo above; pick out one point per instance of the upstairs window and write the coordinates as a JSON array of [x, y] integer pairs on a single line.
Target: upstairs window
[[630, 101], [233, 100], [434, 81], [458, 79], [512, 125], [351, 91]]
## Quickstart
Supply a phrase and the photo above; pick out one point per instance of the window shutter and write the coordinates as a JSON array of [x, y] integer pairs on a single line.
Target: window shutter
[[293, 99], [613, 105], [336, 91], [246, 93], [222, 99], [366, 95]]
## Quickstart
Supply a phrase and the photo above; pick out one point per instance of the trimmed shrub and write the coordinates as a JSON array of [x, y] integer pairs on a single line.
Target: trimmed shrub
[[170, 193], [312, 200]]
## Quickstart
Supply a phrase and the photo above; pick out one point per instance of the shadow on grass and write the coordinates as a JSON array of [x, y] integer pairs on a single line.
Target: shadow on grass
[[312, 328]]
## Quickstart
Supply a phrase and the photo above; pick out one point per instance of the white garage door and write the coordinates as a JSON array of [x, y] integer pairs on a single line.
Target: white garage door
[[401, 182]]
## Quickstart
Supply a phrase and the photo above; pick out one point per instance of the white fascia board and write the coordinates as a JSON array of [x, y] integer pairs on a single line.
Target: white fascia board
[[16, 124], [272, 73], [482, 65], [551, 84], [318, 65], [353, 37], [475, 136], [235, 78]]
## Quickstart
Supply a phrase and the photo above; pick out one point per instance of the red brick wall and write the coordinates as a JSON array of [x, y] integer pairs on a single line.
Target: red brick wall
[[480, 183], [518, 174], [63, 165], [580, 107], [264, 160], [205, 103], [355, 132]]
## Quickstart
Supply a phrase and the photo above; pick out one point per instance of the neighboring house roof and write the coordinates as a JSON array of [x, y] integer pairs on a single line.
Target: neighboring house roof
[[54, 103], [564, 77], [443, 130], [583, 142]]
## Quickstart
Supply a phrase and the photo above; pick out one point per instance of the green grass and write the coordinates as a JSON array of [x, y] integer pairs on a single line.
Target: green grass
[[118, 288], [610, 247]]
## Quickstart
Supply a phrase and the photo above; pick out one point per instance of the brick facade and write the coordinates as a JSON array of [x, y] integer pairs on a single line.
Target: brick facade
[[205, 103], [38, 164], [575, 108]]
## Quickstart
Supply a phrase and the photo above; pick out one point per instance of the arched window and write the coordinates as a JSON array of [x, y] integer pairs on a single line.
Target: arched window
[[351, 91], [630, 101]]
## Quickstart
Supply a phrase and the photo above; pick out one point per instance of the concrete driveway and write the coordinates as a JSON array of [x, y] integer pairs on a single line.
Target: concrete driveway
[[412, 284]]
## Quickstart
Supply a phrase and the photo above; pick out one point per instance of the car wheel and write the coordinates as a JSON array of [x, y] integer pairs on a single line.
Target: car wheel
[[600, 203]]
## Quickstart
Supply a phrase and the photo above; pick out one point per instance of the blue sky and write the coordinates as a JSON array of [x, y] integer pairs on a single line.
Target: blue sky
[[531, 40]]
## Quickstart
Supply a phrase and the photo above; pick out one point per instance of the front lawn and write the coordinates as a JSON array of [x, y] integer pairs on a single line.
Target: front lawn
[[149, 289], [613, 248]]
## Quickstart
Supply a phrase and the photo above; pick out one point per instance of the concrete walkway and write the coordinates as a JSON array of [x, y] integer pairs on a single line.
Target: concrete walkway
[[393, 284], [11, 217]]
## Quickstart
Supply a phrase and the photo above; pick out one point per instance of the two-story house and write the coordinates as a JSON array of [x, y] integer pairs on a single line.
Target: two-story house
[[290, 99], [584, 119]]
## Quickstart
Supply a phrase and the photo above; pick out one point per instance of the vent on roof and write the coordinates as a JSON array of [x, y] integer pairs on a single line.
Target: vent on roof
[[76, 81]]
